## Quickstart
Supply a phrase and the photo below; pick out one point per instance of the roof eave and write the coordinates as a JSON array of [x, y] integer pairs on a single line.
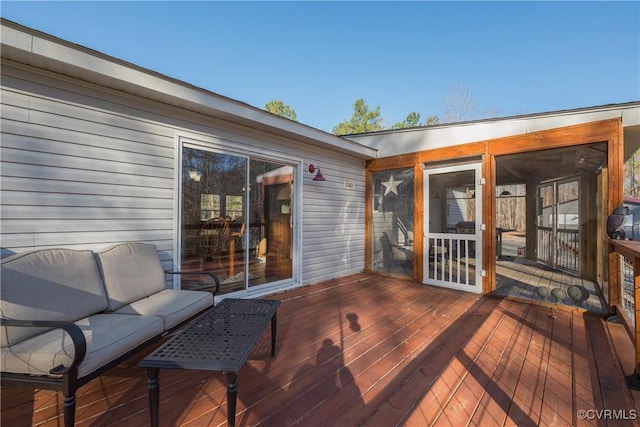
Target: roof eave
[[30, 47]]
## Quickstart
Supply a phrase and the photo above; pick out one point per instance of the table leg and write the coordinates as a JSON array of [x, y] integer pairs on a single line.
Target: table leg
[[274, 327], [232, 395], [154, 396]]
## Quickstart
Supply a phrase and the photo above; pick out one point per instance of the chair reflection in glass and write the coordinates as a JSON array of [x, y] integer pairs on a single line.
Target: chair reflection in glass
[[392, 252], [221, 237], [232, 248], [216, 238]]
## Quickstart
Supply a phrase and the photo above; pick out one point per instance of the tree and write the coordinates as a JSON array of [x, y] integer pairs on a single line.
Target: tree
[[412, 121], [432, 120], [281, 109], [459, 105], [632, 175], [362, 120]]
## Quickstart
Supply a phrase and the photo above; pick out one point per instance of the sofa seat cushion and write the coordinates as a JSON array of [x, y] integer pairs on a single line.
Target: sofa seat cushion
[[131, 271], [108, 337], [49, 284], [172, 305]]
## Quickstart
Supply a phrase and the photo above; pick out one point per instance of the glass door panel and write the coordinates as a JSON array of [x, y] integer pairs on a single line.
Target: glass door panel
[[568, 222], [236, 219], [545, 222], [453, 221], [558, 224], [392, 222], [213, 216], [271, 216]]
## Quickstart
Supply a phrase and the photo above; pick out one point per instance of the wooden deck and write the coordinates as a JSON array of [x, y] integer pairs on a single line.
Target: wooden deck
[[377, 351], [522, 278]]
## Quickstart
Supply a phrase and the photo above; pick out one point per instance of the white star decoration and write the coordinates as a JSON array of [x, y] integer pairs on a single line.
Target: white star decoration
[[391, 186]]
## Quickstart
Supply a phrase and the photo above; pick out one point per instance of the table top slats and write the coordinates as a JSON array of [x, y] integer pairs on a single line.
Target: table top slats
[[221, 339]]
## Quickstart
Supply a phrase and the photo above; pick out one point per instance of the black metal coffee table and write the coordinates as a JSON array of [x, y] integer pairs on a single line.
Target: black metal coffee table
[[219, 340]]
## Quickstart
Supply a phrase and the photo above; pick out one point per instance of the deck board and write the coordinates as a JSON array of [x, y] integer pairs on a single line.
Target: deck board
[[379, 351], [526, 279]]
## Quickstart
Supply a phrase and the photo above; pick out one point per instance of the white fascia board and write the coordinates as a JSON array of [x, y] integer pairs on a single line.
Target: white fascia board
[[631, 116], [15, 38], [405, 141], [47, 52]]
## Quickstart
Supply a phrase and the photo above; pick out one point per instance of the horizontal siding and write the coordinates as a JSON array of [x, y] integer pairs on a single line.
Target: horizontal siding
[[68, 212], [19, 182], [78, 176], [77, 145], [69, 225], [95, 240], [62, 104], [85, 181], [27, 156], [87, 167], [333, 221]]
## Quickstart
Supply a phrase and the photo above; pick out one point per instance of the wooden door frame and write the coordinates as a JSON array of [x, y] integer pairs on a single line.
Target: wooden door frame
[[476, 167]]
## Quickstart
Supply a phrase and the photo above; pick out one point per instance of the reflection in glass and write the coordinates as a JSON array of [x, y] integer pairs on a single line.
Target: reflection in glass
[[451, 228], [236, 216], [558, 224], [392, 221], [270, 211]]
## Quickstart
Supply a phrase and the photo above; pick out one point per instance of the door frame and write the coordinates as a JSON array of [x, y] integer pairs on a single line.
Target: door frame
[[295, 212], [446, 239], [553, 255]]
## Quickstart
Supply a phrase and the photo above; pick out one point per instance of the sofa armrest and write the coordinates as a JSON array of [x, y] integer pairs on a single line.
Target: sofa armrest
[[202, 273], [73, 330]]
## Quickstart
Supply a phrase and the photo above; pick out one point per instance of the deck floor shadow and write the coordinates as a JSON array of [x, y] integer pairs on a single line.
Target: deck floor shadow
[[380, 351]]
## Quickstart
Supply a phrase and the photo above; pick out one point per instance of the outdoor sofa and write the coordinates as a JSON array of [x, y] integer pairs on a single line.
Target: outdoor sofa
[[67, 316]]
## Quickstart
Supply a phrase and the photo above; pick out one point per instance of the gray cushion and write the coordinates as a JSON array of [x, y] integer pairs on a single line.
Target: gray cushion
[[131, 271], [49, 284], [108, 336], [173, 306]]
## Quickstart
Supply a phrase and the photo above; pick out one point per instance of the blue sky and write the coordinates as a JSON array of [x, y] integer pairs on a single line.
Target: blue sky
[[319, 57]]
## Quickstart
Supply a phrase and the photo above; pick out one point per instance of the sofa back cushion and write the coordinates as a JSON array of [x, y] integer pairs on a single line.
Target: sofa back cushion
[[131, 271], [49, 284]]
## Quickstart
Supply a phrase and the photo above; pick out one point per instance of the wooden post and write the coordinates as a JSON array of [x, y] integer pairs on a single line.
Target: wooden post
[[614, 278], [418, 222], [636, 288]]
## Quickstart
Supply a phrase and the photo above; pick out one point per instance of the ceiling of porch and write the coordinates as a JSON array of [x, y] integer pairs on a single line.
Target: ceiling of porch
[[550, 164]]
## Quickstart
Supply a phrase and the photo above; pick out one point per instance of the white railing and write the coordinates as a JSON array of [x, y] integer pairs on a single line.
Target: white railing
[[561, 250], [451, 258]]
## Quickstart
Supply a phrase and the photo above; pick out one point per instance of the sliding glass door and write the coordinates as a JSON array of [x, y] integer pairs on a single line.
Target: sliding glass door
[[272, 216], [236, 218]]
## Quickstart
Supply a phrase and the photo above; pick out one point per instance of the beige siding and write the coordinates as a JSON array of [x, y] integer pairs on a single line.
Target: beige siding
[[86, 167], [80, 176], [333, 221]]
